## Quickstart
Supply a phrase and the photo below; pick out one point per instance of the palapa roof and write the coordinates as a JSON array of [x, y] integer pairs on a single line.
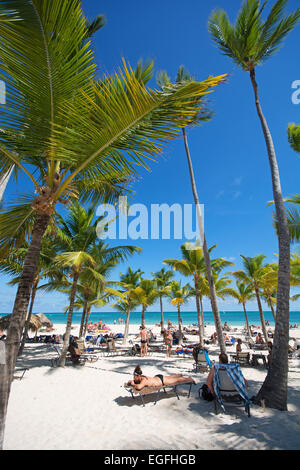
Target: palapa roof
[[44, 320], [35, 322]]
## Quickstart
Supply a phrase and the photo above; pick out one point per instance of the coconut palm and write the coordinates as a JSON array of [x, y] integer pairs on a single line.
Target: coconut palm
[[243, 294], [125, 306], [71, 136], [249, 43], [179, 296], [254, 274], [128, 281], [203, 115], [12, 265], [145, 294], [87, 257], [193, 264], [162, 280]]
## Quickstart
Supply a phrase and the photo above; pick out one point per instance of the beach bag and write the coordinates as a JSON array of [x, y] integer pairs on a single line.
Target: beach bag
[[206, 393]]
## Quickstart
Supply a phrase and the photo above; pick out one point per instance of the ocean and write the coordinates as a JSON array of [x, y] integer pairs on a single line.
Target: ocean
[[188, 318]]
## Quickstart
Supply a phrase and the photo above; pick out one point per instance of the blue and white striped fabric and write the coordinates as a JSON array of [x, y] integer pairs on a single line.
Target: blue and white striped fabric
[[235, 374], [207, 359]]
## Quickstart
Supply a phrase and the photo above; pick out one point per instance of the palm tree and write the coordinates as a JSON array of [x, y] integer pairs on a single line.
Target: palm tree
[[249, 43], [162, 280], [125, 306], [145, 294], [12, 264], [243, 294], [203, 115], [87, 256], [179, 296], [193, 264], [293, 212], [128, 281], [73, 137], [254, 274]]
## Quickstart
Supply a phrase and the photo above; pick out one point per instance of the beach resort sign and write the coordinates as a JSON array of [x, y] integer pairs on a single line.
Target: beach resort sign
[[157, 222]]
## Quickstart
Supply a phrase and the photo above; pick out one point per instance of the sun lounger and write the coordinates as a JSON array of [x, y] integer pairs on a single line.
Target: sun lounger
[[253, 345], [242, 358], [54, 360], [19, 373], [85, 354], [202, 360], [156, 390], [229, 387]]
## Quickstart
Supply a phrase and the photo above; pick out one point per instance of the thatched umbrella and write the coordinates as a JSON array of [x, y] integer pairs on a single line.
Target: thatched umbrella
[[34, 325], [45, 320]]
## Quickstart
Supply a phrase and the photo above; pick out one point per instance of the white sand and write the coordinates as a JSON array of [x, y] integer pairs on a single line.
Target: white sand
[[88, 408]]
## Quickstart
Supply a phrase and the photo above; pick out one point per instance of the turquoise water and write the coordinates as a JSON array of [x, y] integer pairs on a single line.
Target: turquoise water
[[188, 318]]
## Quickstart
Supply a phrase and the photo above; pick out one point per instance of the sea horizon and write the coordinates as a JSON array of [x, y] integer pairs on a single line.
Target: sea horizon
[[235, 318]]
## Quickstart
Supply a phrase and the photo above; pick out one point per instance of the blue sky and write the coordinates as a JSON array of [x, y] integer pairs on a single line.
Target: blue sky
[[229, 154]]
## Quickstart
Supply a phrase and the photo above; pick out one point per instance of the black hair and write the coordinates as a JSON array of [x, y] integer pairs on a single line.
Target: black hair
[[223, 358], [137, 371]]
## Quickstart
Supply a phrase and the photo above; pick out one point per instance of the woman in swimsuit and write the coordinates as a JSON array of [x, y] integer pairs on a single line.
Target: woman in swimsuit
[[140, 381], [168, 339]]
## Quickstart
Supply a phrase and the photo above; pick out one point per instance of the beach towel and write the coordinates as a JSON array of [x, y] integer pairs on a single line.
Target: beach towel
[[235, 374]]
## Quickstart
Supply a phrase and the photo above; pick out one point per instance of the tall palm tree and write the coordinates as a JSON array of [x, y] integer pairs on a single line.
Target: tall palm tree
[[12, 264], [179, 296], [193, 264], [128, 281], [162, 280], [254, 274], [203, 115], [71, 136], [249, 43], [86, 256], [243, 294], [145, 294]]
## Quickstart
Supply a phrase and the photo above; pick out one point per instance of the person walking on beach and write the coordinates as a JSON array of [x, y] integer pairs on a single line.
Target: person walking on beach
[[143, 334], [168, 340]]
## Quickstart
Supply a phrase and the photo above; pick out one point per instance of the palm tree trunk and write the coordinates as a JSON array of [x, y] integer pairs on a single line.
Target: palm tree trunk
[[261, 314], [126, 331], [143, 315], [212, 290], [274, 388], [162, 324], [27, 323], [87, 320], [202, 315], [83, 319], [62, 359], [246, 318], [19, 313], [272, 309], [199, 314], [179, 325]]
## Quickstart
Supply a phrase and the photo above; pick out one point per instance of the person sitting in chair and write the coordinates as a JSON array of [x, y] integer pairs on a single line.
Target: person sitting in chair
[[223, 359], [74, 350], [140, 381]]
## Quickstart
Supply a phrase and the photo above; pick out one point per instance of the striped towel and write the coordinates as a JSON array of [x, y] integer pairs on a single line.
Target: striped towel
[[236, 375]]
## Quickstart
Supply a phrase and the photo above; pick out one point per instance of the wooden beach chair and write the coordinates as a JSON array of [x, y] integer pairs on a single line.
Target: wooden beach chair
[[156, 391], [242, 358]]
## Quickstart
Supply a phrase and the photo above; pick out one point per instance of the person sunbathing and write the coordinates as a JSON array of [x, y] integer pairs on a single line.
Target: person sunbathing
[[140, 381]]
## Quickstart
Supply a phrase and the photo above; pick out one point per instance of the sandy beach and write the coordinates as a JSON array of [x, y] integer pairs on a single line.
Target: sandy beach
[[88, 408]]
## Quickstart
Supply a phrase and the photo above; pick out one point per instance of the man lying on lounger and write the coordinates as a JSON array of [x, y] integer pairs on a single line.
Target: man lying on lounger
[[140, 381]]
